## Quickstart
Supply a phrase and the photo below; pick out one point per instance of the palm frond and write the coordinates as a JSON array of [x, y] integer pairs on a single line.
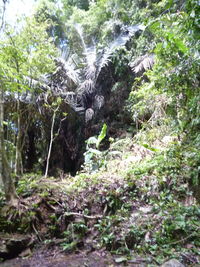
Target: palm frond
[[89, 53], [89, 114], [91, 56], [69, 68], [87, 86], [79, 30], [99, 101], [119, 41], [142, 63], [39, 83]]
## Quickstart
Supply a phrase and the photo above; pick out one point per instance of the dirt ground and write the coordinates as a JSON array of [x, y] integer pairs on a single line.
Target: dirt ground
[[55, 258]]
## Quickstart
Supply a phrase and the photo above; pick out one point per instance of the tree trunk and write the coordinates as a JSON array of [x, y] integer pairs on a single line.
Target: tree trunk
[[5, 171], [18, 155], [1, 134], [51, 142]]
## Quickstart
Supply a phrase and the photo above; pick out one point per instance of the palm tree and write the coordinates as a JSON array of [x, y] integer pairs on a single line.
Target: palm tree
[[84, 67]]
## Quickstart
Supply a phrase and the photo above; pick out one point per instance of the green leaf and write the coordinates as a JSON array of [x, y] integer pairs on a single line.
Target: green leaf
[[102, 135], [181, 45], [150, 148], [59, 100], [5, 123], [92, 140]]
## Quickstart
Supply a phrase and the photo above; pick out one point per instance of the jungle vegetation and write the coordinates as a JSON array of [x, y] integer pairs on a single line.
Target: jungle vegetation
[[100, 106]]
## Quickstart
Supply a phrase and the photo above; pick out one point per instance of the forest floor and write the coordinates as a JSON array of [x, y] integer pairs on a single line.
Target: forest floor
[[56, 258], [137, 210]]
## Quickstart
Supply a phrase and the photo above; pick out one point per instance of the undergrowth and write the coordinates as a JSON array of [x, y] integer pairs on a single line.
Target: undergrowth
[[148, 207]]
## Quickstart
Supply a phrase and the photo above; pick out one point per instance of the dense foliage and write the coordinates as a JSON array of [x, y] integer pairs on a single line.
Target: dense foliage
[[109, 91]]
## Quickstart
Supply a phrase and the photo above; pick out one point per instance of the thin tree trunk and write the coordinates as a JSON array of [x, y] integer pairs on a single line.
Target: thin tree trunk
[[1, 133], [9, 188], [5, 171], [51, 142], [18, 155]]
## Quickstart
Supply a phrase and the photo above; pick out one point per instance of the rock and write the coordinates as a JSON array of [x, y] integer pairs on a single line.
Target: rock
[[12, 245], [172, 263], [26, 253], [3, 250]]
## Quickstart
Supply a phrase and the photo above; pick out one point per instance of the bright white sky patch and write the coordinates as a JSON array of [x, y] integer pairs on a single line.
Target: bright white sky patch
[[17, 8]]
